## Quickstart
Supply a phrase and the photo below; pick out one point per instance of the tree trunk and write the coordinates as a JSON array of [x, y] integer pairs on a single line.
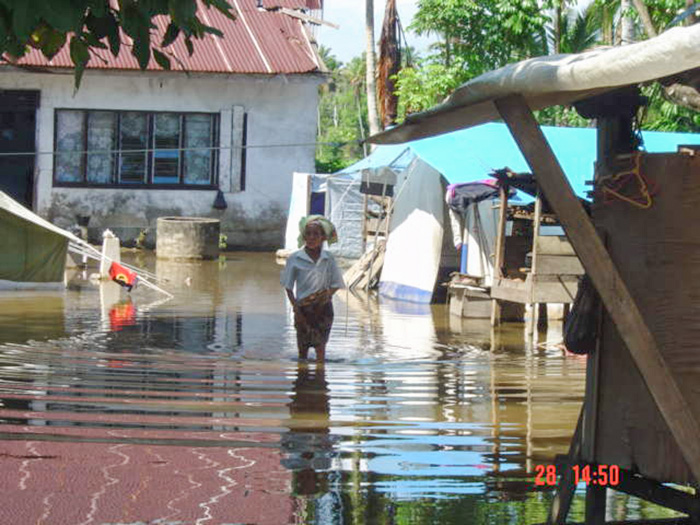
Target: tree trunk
[[683, 95], [372, 113], [557, 27], [627, 24], [644, 16], [692, 18]]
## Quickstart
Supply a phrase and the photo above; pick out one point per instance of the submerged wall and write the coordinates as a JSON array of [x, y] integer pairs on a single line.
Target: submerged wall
[[279, 109]]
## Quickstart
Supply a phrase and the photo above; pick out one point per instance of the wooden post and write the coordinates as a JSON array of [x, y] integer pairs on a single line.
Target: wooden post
[[595, 504], [617, 299], [535, 307], [564, 495], [499, 254]]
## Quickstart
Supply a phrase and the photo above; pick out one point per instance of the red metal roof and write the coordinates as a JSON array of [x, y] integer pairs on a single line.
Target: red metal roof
[[293, 4], [258, 41]]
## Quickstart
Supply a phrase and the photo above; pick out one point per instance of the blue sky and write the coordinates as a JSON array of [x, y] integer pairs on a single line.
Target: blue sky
[[349, 41]]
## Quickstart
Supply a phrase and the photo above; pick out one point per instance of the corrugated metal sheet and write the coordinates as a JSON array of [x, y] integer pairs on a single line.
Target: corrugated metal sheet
[[293, 4], [258, 41]]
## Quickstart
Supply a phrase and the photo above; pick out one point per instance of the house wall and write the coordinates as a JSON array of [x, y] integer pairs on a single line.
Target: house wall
[[280, 110]]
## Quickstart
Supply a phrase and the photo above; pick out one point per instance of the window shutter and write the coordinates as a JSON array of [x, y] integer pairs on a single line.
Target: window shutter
[[231, 158]]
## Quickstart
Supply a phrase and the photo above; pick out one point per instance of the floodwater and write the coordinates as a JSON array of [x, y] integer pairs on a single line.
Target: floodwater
[[117, 409]]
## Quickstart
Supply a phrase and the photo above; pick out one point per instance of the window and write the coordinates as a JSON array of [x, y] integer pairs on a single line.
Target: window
[[134, 148]]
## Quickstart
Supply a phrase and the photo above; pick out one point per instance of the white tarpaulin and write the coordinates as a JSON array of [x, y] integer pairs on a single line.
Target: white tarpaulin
[[552, 80], [414, 246], [345, 209]]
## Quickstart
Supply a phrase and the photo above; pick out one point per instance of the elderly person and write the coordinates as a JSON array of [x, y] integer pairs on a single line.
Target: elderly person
[[314, 276]]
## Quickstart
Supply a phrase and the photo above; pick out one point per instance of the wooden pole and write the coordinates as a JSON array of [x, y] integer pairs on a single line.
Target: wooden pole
[[617, 299], [499, 254], [595, 504], [535, 307]]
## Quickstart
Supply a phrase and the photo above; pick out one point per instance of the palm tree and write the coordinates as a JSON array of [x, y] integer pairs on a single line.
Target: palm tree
[[372, 114]]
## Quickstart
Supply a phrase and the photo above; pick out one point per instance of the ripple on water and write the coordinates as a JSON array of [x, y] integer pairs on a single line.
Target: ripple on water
[[201, 401]]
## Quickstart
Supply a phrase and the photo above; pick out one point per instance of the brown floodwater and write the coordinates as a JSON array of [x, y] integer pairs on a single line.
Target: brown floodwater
[[120, 408]]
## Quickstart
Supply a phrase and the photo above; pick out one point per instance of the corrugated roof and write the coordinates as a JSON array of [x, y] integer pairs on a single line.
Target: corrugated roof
[[258, 41], [293, 4]]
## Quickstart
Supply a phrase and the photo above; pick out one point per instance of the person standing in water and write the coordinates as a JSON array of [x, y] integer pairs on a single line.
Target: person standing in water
[[317, 277]]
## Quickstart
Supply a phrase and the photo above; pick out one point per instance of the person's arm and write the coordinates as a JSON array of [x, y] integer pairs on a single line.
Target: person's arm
[[290, 296], [337, 281]]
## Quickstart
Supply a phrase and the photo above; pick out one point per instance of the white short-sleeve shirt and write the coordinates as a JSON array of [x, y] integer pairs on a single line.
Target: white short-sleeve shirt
[[309, 276]]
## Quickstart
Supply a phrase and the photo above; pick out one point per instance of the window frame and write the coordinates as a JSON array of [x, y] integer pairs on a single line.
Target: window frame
[[150, 158]]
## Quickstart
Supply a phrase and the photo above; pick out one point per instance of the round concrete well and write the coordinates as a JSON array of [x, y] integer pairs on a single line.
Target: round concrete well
[[187, 238]]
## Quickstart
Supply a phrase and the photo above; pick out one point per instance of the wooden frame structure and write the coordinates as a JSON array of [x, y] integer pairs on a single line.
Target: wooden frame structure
[[553, 276], [634, 331], [649, 324]]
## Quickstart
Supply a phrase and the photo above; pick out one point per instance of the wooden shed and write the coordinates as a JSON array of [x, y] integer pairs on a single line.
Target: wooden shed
[[641, 415]]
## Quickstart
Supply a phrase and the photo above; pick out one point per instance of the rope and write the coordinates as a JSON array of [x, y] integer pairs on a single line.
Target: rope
[[612, 185]]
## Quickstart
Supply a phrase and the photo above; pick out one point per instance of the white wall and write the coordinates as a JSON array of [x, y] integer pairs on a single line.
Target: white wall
[[281, 110]]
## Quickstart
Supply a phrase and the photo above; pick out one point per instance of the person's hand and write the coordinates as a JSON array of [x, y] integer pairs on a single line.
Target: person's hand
[[299, 317]]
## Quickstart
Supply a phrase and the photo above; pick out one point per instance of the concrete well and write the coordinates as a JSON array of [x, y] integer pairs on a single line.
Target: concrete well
[[187, 238]]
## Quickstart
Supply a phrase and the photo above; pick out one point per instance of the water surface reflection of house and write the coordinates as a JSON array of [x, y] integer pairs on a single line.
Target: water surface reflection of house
[[131, 146]]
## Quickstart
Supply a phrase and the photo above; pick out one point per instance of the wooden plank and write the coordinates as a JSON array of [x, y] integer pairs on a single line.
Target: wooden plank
[[614, 293], [559, 265], [561, 503], [554, 245], [554, 292], [513, 290], [499, 254], [536, 234], [309, 19], [592, 397], [657, 493], [595, 504], [659, 521]]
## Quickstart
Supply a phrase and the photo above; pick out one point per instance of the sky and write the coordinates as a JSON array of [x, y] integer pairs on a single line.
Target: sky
[[349, 41]]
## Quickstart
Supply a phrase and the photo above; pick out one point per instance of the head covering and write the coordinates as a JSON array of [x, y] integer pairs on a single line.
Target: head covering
[[325, 224]]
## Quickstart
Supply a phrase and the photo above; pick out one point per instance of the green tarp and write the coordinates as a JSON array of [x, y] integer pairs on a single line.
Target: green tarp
[[31, 248]]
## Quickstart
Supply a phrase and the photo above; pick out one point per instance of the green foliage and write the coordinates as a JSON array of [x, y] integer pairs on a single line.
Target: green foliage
[[474, 37], [91, 25], [223, 241], [428, 83], [486, 35], [663, 115], [342, 114], [561, 116], [660, 11], [578, 33]]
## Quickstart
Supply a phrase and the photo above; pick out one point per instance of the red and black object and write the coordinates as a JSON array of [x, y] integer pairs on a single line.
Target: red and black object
[[122, 276]]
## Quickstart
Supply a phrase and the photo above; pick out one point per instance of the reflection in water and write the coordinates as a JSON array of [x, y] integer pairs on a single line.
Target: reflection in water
[[309, 446], [117, 409]]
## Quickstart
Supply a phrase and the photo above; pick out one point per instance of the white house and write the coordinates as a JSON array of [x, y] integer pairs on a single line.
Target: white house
[[238, 116]]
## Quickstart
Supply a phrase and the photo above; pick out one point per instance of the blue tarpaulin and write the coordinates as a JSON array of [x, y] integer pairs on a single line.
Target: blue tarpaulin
[[471, 154]]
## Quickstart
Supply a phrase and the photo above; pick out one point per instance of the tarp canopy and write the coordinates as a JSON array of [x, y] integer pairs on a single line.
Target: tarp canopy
[[553, 80], [33, 249], [469, 155]]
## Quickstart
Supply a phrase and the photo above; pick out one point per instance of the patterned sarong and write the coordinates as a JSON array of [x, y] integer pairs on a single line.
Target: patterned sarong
[[313, 319]]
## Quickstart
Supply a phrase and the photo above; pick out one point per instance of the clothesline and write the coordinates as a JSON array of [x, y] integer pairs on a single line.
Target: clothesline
[[147, 150]]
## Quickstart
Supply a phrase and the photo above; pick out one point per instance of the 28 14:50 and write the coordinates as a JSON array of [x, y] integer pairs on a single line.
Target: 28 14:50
[[604, 475]]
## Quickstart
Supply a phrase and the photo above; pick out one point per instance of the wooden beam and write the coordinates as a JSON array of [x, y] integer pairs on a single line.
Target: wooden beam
[[660, 521], [595, 504], [561, 503], [499, 252], [650, 490], [307, 18], [610, 285]]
